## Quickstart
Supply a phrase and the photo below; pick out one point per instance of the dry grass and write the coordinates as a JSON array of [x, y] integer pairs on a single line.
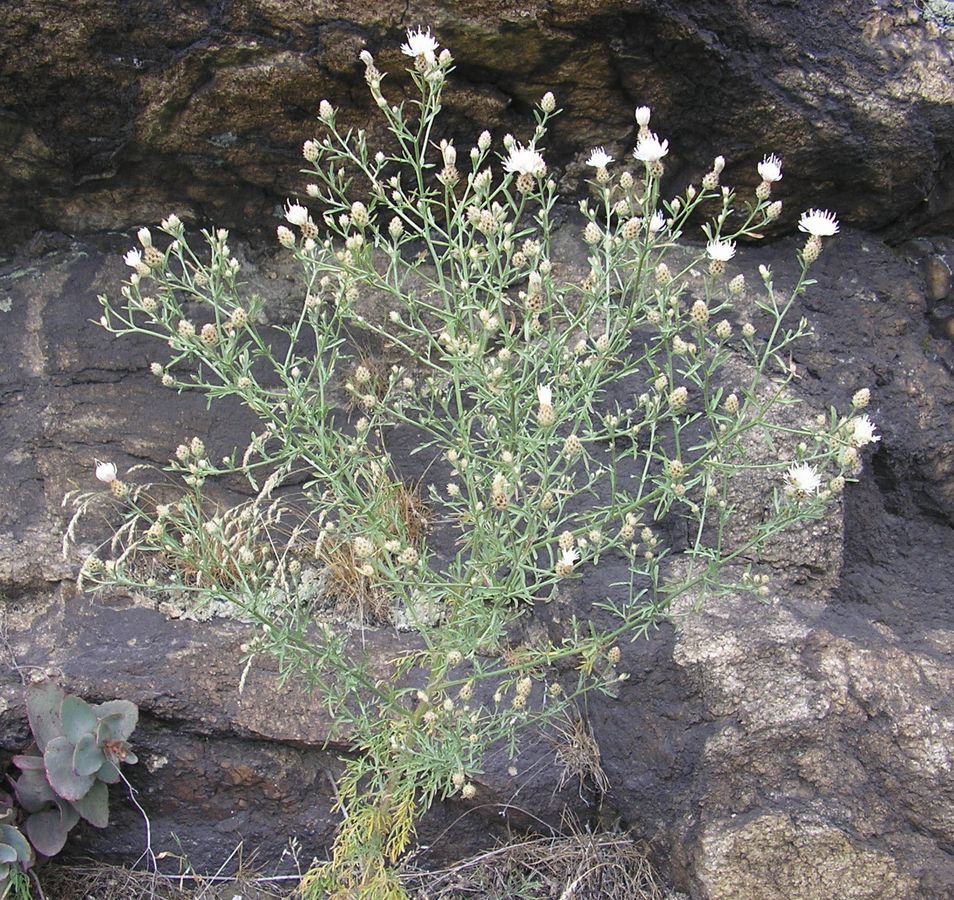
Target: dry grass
[[102, 882], [355, 594], [405, 517], [578, 754], [577, 867]]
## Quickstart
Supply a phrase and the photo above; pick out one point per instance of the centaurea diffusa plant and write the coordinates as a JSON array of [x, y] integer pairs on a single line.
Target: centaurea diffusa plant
[[509, 363]]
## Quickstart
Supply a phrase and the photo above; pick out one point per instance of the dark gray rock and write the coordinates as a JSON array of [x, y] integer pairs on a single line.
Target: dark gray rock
[[799, 749]]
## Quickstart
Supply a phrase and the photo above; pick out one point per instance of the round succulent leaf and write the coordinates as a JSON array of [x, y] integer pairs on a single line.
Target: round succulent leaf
[[47, 831], [7, 854], [43, 710], [33, 790], [94, 807], [13, 837], [122, 716], [4, 875], [66, 782], [32, 763], [87, 757], [78, 718], [69, 815], [108, 772]]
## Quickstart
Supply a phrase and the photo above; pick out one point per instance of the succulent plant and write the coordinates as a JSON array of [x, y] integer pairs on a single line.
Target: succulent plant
[[15, 850], [81, 748]]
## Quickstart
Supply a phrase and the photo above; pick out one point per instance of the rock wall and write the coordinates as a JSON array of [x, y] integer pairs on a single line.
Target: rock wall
[[800, 749], [115, 112]]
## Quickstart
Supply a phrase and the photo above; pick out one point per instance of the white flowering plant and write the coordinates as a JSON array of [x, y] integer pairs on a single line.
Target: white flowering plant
[[571, 419]]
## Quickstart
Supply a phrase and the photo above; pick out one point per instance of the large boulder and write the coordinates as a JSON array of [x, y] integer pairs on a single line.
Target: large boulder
[[114, 113], [799, 749], [803, 749]]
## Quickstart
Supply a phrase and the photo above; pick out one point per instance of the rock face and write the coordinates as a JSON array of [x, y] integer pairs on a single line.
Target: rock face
[[804, 749], [114, 113], [800, 749]]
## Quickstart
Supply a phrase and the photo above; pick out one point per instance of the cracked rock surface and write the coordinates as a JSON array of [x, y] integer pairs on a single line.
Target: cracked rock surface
[[798, 748]]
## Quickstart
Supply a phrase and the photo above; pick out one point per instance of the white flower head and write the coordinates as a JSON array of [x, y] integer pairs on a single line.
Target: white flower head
[[569, 557], [133, 259], [863, 431], [771, 168], [296, 213], [657, 222], [544, 395], [524, 160], [642, 116], [145, 237], [818, 223], [802, 480], [722, 251], [650, 149], [420, 43], [599, 158], [106, 471]]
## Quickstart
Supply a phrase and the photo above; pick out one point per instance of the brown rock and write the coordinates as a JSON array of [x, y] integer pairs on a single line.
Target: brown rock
[[937, 278], [117, 112]]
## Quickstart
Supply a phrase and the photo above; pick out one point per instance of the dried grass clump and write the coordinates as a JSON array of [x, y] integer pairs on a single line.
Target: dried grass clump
[[578, 754], [355, 593], [103, 882], [577, 867], [406, 519]]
